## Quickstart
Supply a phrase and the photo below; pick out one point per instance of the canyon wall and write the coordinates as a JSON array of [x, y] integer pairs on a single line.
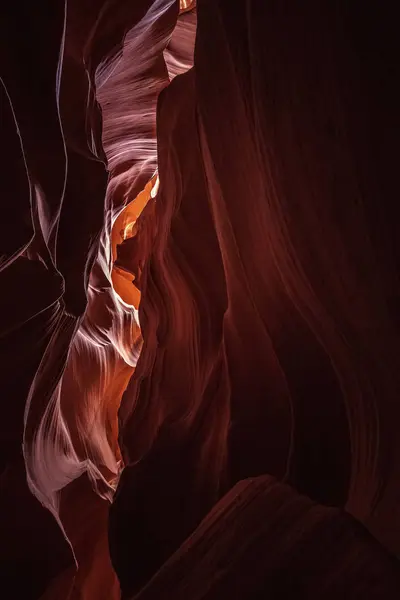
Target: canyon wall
[[199, 272]]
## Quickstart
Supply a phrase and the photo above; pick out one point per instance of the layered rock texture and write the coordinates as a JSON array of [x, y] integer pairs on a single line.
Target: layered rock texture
[[199, 311]]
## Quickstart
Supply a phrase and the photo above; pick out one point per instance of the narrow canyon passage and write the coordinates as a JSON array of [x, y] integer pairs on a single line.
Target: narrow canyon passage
[[199, 332]]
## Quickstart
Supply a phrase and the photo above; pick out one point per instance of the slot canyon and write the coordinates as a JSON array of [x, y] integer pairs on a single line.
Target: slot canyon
[[199, 300]]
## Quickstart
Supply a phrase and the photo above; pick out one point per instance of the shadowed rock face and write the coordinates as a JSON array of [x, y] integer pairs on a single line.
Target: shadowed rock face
[[239, 551], [199, 283]]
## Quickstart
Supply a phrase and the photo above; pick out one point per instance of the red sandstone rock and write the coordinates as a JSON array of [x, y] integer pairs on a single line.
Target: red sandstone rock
[[262, 540], [265, 262]]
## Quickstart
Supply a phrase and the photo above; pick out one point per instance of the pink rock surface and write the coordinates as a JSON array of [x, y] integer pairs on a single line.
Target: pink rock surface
[[199, 265]]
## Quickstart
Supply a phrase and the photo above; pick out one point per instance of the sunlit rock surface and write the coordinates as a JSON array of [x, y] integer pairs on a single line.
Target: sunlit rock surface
[[199, 267]]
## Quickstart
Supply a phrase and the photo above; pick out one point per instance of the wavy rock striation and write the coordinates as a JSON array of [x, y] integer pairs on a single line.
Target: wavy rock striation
[[199, 267]]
